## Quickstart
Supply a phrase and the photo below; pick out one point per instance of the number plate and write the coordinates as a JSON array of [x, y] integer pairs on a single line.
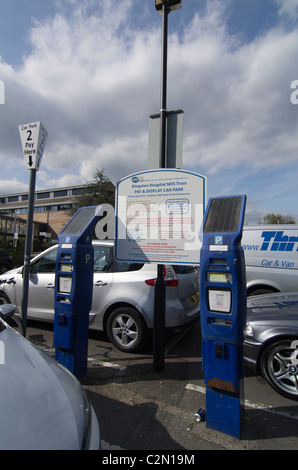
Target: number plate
[[194, 299]]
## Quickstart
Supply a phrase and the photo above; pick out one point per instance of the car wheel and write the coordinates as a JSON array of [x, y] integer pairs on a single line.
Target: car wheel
[[260, 291], [126, 329], [279, 366]]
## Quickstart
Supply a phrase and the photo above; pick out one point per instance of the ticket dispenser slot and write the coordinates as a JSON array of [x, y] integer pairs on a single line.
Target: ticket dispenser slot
[[74, 288], [223, 312]]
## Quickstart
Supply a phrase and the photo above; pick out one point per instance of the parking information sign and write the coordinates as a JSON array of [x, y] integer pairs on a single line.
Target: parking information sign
[[159, 214], [33, 138]]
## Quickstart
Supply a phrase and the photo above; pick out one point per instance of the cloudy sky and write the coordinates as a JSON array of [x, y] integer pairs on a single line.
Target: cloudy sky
[[90, 71]]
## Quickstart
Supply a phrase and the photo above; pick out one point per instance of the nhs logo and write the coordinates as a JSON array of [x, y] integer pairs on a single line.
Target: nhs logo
[[218, 239]]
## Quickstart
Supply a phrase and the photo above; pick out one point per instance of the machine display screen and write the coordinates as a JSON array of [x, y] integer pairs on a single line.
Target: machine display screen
[[219, 277], [66, 267], [219, 300], [218, 261]]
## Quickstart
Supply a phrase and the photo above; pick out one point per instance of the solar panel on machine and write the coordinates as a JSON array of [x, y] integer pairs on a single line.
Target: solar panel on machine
[[223, 215], [79, 221]]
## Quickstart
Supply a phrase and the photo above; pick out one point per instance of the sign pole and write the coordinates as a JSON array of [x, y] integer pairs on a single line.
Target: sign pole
[[28, 248], [160, 287], [163, 102], [33, 138]]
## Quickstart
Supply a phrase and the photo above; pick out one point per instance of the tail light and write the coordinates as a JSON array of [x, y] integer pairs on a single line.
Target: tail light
[[169, 277]]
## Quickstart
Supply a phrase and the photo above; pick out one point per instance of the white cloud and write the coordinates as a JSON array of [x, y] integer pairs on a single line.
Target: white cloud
[[238, 100], [12, 185], [94, 79], [288, 7]]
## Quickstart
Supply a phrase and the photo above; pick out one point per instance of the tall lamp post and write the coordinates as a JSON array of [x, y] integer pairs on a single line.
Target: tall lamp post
[[164, 7]]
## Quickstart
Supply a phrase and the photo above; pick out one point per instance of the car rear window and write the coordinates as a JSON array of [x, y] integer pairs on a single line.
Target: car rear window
[[124, 266], [104, 262]]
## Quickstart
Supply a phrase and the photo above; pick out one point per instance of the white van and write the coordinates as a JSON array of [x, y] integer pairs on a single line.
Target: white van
[[271, 258]]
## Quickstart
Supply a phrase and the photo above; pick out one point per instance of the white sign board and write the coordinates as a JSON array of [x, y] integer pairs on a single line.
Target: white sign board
[[33, 138], [159, 214]]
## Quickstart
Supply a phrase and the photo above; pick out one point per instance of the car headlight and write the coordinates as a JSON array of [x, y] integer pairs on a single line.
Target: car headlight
[[249, 330]]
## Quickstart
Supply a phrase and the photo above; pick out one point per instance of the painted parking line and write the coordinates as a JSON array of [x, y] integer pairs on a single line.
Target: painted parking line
[[90, 360], [247, 403], [195, 388], [111, 365]]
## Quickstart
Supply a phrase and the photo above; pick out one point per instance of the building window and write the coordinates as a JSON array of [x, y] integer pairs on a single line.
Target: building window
[[21, 211], [61, 193], [77, 191], [12, 198], [44, 195], [64, 207]]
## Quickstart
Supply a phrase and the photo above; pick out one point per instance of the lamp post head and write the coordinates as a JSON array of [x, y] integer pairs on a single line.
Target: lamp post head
[[171, 4]]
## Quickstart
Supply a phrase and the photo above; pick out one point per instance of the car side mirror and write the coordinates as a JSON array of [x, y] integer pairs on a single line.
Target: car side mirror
[[7, 310], [30, 270]]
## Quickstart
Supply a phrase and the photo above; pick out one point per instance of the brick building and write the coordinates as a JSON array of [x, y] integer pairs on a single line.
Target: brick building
[[51, 208]]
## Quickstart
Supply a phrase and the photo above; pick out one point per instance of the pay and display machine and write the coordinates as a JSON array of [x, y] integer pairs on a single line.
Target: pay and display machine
[[73, 289], [223, 312]]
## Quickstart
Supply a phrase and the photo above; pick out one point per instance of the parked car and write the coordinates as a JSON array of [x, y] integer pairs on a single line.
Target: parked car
[[43, 406], [123, 295], [6, 262], [271, 260], [271, 342]]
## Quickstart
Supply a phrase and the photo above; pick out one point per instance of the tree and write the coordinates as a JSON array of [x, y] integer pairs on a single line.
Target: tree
[[100, 190], [278, 219]]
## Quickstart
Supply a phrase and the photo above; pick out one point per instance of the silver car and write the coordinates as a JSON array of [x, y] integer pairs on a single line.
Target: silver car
[[123, 295], [271, 342], [43, 406]]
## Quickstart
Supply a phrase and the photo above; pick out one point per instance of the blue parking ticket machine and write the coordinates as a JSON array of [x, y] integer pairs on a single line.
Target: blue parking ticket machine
[[73, 289], [223, 312]]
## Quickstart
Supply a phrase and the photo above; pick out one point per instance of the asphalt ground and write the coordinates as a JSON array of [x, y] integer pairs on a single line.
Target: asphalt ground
[[146, 413]]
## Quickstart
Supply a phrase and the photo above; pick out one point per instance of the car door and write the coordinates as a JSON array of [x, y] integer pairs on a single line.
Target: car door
[[41, 287], [102, 283]]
